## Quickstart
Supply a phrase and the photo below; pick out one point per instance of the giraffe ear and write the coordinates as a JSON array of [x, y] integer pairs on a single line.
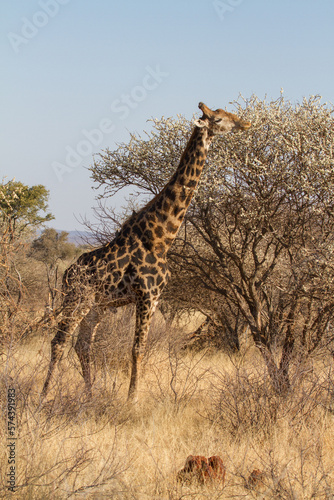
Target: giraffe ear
[[200, 123]]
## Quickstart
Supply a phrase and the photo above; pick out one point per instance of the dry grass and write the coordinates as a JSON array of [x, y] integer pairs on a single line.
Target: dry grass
[[200, 404]]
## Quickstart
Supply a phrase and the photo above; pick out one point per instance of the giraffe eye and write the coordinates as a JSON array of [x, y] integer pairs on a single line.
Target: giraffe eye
[[218, 120]]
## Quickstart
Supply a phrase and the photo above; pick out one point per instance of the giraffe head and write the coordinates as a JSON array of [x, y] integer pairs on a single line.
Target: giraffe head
[[220, 121]]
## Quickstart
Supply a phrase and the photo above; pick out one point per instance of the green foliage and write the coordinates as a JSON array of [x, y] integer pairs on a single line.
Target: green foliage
[[21, 205]]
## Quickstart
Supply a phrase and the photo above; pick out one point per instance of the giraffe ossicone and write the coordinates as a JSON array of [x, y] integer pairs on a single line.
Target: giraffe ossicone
[[132, 268]]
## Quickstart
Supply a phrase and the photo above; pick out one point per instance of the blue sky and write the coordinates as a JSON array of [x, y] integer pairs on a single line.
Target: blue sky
[[79, 75]]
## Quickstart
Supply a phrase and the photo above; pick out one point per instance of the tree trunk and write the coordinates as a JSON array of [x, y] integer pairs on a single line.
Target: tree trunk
[[279, 374]]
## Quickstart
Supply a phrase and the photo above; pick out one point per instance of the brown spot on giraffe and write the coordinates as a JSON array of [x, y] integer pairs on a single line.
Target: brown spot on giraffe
[[132, 268]]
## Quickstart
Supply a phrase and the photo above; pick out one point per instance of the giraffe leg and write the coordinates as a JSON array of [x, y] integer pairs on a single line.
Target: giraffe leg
[[88, 328], [144, 312], [57, 349], [66, 328]]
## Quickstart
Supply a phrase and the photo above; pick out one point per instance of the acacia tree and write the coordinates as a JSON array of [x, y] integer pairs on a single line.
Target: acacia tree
[[257, 244]]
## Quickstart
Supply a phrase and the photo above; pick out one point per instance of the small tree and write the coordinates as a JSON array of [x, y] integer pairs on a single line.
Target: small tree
[[20, 212], [257, 245], [20, 206], [51, 248]]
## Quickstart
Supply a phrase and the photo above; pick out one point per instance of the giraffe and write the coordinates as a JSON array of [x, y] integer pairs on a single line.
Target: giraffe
[[132, 268]]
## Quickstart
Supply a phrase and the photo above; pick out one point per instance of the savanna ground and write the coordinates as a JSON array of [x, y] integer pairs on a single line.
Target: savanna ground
[[204, 403]]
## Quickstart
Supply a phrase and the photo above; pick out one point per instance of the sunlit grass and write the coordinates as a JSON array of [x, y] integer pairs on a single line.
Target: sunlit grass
[[69, 447]]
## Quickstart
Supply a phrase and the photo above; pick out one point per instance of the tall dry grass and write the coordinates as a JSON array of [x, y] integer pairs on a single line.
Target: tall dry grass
[[200, 404]]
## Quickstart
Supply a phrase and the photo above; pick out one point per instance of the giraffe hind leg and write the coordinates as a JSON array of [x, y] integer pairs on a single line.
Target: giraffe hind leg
[[57, 349], [65, 330], [88, 328]]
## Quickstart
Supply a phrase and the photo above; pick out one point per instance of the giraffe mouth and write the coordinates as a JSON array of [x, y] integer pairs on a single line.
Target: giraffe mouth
[[242, 125], [207, 112]]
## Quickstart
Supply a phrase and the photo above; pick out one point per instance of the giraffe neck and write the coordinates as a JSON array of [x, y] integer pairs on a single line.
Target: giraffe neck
[[167, 210]]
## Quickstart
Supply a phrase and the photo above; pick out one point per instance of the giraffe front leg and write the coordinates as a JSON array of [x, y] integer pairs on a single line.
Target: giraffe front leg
[[144, 313], [83, 346]]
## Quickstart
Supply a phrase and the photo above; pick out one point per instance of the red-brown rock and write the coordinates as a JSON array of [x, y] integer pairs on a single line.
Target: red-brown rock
[[203, 470], [218, 469], [256, 480]]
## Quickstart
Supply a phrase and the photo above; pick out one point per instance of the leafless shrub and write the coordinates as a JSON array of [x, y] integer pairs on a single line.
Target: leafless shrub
[[304, 474], [184, 377], [59, 452], [111, 350], [244, 403]]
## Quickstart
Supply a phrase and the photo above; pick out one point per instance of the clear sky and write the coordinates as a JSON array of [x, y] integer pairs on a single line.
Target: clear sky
[[79, 75]]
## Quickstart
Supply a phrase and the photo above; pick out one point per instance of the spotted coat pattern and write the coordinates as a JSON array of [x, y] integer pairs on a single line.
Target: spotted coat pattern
[[132, 268]]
